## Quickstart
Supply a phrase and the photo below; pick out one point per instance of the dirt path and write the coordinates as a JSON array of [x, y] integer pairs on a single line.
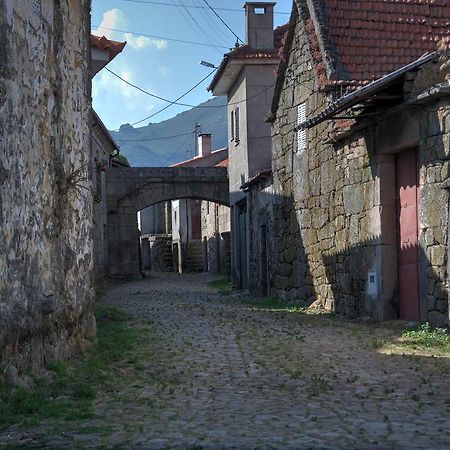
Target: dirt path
[[230, 376]]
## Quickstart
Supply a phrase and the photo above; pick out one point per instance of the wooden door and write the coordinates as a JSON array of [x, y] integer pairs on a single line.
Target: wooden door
[[407, 242], [196, 220]]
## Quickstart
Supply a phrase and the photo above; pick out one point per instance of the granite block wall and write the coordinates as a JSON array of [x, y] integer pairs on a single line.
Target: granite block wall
[[46, 203]]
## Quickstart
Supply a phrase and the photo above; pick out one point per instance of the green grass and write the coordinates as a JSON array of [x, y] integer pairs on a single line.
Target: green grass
[[221, 286], [70, 394], [274, 304], [425, 336]]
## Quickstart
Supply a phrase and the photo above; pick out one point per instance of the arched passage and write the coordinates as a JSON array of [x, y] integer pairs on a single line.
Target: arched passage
[[130, 190]]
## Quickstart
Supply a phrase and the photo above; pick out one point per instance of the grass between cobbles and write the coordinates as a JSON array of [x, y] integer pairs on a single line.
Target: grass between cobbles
[[387, 337], [221, 286], [71, 391]]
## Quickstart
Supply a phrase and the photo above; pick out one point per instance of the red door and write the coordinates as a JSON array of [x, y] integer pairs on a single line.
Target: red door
[[196, 220], [407, 248]]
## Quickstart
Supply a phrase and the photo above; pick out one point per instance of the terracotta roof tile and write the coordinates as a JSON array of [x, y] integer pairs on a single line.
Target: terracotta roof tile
[[103, 43], [223, 163], [244, 51], [374, 37]]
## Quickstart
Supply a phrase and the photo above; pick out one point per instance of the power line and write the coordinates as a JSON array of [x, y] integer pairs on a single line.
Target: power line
[[176, 100], [160, 37], [154, 139], [220, 18], [192, 6], [198, 29]]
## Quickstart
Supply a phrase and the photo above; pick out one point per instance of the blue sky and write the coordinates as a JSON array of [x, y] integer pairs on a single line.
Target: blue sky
[[161, 66]]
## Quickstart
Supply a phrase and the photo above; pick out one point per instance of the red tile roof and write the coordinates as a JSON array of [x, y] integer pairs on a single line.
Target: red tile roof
[[373, 37], [200, 159], [223, 163], [244, 51], [102, 43]]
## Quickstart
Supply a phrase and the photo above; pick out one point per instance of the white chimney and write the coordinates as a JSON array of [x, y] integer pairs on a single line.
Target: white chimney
[[204, 144], [259, 25]]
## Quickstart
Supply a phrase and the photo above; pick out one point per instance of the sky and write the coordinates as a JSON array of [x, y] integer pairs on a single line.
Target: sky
[[154, 60]]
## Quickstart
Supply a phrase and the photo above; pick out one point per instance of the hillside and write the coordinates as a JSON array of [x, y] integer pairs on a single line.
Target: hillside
[[143, 148]]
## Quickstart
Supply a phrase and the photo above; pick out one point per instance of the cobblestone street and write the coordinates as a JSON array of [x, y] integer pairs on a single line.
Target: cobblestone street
[[238, 376]]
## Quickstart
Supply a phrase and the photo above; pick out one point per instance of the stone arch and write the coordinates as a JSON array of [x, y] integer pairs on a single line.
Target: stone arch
[[131, 189]]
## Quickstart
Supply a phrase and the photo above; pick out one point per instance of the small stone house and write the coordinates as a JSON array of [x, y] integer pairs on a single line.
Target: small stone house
[[360, 160], [201, 228]]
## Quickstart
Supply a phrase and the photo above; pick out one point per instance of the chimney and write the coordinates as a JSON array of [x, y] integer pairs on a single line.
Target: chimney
[[259, 25], [204, 144]]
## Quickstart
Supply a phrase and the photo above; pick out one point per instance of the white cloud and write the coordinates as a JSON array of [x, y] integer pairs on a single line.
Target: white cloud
[[164, 70], [139, 42], [115, 18]]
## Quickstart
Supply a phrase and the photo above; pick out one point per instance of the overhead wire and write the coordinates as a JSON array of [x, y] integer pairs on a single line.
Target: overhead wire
[[153, 139], [198, 29], [206, 15], [176, 100], [149, 2], [226, 25], [160, 37]]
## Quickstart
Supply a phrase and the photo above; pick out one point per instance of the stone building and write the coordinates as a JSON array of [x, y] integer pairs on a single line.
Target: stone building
[[104, 149], [246, 76], [201, 228], [46, 210], [360, 156]]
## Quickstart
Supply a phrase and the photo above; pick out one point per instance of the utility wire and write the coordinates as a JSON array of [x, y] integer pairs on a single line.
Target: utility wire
[[191, 6], [154, 139], [160, 37], [198, 29], [176, 136], [220, 18], [175, 101]]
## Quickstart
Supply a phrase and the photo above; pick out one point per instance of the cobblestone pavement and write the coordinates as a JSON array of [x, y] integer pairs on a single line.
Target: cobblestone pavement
[[242, 377]]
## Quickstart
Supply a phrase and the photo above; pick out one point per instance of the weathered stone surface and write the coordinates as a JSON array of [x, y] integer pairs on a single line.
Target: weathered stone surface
[[11, 375], [345, 195], [45, 194], [437, 319]]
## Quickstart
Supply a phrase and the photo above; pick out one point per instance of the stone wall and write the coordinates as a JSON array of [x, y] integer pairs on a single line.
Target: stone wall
[[46, 204], [334, 202], [215, 222], [260, 204]]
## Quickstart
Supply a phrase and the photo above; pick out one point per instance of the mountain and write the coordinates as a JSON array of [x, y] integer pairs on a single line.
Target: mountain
[[160, 144]]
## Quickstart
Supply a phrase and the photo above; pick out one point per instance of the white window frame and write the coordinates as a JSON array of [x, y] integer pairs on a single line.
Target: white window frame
[[301, 134]]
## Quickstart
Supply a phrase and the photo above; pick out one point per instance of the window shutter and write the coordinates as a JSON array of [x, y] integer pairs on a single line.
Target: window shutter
[[236, 126], [301, 135], [232, 124]]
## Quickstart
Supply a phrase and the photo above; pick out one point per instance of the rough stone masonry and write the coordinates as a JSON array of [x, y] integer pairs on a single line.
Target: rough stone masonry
[[46, 220]]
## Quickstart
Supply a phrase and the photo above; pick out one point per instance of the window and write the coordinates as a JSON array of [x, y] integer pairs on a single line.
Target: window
[[301, 135], [236, 125]]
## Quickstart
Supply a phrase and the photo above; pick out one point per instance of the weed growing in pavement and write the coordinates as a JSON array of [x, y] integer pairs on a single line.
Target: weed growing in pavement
[[274, 304], [221, 286], [69, 395], [426, 336], [319, 385]]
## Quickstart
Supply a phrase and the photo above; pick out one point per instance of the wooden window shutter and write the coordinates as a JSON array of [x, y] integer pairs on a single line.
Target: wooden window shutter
[[301, 135], [236, 126]]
